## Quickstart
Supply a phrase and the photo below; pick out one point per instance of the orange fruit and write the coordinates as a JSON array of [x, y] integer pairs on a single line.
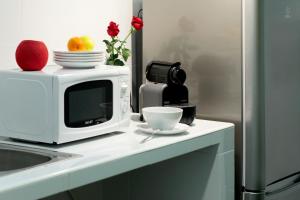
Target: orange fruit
[[76, 44]]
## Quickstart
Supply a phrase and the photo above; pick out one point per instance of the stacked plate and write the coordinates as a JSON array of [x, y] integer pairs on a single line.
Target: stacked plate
[[78, 59]]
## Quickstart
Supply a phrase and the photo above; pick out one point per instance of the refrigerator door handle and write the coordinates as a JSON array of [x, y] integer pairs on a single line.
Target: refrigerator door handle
[[284, 185], [253, 196]]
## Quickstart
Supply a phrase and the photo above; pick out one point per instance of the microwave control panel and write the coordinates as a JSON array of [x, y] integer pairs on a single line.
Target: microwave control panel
[[124, 96]]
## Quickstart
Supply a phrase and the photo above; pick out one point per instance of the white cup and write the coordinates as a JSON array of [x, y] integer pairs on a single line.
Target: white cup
[[162, 118]]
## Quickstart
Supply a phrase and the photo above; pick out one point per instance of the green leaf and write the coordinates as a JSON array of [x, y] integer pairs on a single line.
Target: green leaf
[[110, 62], [109, 46], [114, 56], [109, 49], [125, 54], [106, 42], [119, 62]]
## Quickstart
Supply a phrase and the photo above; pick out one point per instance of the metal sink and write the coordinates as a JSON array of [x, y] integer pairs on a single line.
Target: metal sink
[[15, 158]]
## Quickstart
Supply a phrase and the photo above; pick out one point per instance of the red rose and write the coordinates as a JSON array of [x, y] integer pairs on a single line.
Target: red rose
[[137, 23], [113, 29]]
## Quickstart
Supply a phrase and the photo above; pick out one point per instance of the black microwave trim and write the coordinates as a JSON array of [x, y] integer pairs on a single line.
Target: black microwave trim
[[85, 86]]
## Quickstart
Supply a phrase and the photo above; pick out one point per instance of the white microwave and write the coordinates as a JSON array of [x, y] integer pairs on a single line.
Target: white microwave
[[60, 105]]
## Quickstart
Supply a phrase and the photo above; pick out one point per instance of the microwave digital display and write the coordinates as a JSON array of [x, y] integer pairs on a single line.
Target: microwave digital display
[[89, 103]]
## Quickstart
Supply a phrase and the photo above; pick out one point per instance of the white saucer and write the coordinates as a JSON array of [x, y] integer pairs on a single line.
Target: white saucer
[[179, 128], [80, 65]]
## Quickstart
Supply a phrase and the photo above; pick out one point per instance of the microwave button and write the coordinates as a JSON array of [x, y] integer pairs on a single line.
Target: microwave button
[[124, 106], [124, 88]]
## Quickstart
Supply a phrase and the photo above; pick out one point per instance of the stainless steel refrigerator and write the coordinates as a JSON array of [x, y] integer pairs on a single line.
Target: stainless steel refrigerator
[[243, 64], [271, 99]]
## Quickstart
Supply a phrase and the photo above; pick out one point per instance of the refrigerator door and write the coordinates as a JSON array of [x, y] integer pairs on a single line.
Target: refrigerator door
[[290, 193], [271, 56], [253, 106], [281, 44]]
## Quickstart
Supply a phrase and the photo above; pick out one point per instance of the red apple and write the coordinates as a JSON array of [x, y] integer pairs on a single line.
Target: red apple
[[32, 55]]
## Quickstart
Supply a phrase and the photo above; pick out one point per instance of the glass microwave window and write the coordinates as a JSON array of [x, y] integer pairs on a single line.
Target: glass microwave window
[[88, 103]]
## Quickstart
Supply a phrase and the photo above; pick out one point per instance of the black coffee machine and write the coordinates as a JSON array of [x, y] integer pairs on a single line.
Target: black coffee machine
[[165, 87]]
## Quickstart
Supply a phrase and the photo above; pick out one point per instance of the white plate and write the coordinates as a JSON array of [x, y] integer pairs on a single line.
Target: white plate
[[79, 57], [78, 53], [77, 64], [179, 128], [82, 60], [78, 61]]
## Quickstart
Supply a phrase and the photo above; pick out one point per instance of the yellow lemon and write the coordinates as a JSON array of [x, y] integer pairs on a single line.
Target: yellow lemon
[[88, 42]]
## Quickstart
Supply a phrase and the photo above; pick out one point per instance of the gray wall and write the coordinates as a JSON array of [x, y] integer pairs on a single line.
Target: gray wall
[[205, 35]]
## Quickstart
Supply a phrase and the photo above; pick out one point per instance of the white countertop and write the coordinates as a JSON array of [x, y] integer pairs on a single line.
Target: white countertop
[[105, 156]]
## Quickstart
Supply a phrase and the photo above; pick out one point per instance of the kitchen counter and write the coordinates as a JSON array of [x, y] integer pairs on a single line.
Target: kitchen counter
[[106, 156]]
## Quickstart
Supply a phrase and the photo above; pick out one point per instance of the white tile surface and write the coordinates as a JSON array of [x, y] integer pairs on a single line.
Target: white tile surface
[[10, 21], [55, 21]]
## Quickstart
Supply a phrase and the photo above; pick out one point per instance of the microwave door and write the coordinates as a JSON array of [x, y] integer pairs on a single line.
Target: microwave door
[[89, 103]]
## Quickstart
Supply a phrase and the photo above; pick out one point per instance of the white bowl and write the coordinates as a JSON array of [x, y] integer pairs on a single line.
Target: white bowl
[[162, 118]]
